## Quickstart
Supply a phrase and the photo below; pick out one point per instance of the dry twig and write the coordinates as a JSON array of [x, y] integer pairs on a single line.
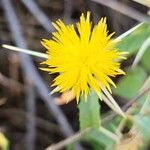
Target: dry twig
[[124, 9], [31, 114]]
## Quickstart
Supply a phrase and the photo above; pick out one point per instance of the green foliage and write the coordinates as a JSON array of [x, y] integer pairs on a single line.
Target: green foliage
[[129, 85], [133, 42], [69, 147], [143, 124], [99, 140], [146, 59], [89, 112]]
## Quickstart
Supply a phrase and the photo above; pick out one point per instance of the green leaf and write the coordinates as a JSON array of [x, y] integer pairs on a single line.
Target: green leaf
[[146, 59], [69, 147], [89, 112], [143, 124], [133, 41], [129, 84], [98, 140]]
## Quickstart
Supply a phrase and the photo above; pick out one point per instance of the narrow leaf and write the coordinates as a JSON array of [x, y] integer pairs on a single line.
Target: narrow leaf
[[133, 41], [129, 85], [89, 112]]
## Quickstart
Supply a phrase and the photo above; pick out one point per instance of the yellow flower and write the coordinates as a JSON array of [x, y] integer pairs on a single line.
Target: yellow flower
[[83, 55]]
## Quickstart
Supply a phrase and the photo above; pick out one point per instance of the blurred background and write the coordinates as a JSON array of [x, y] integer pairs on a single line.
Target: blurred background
[[28, 117]]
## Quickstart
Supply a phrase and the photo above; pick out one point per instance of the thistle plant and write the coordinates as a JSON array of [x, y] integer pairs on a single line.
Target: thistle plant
[[85, 57]]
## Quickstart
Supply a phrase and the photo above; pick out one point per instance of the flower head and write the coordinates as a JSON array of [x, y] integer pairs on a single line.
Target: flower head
[[83, 55]]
